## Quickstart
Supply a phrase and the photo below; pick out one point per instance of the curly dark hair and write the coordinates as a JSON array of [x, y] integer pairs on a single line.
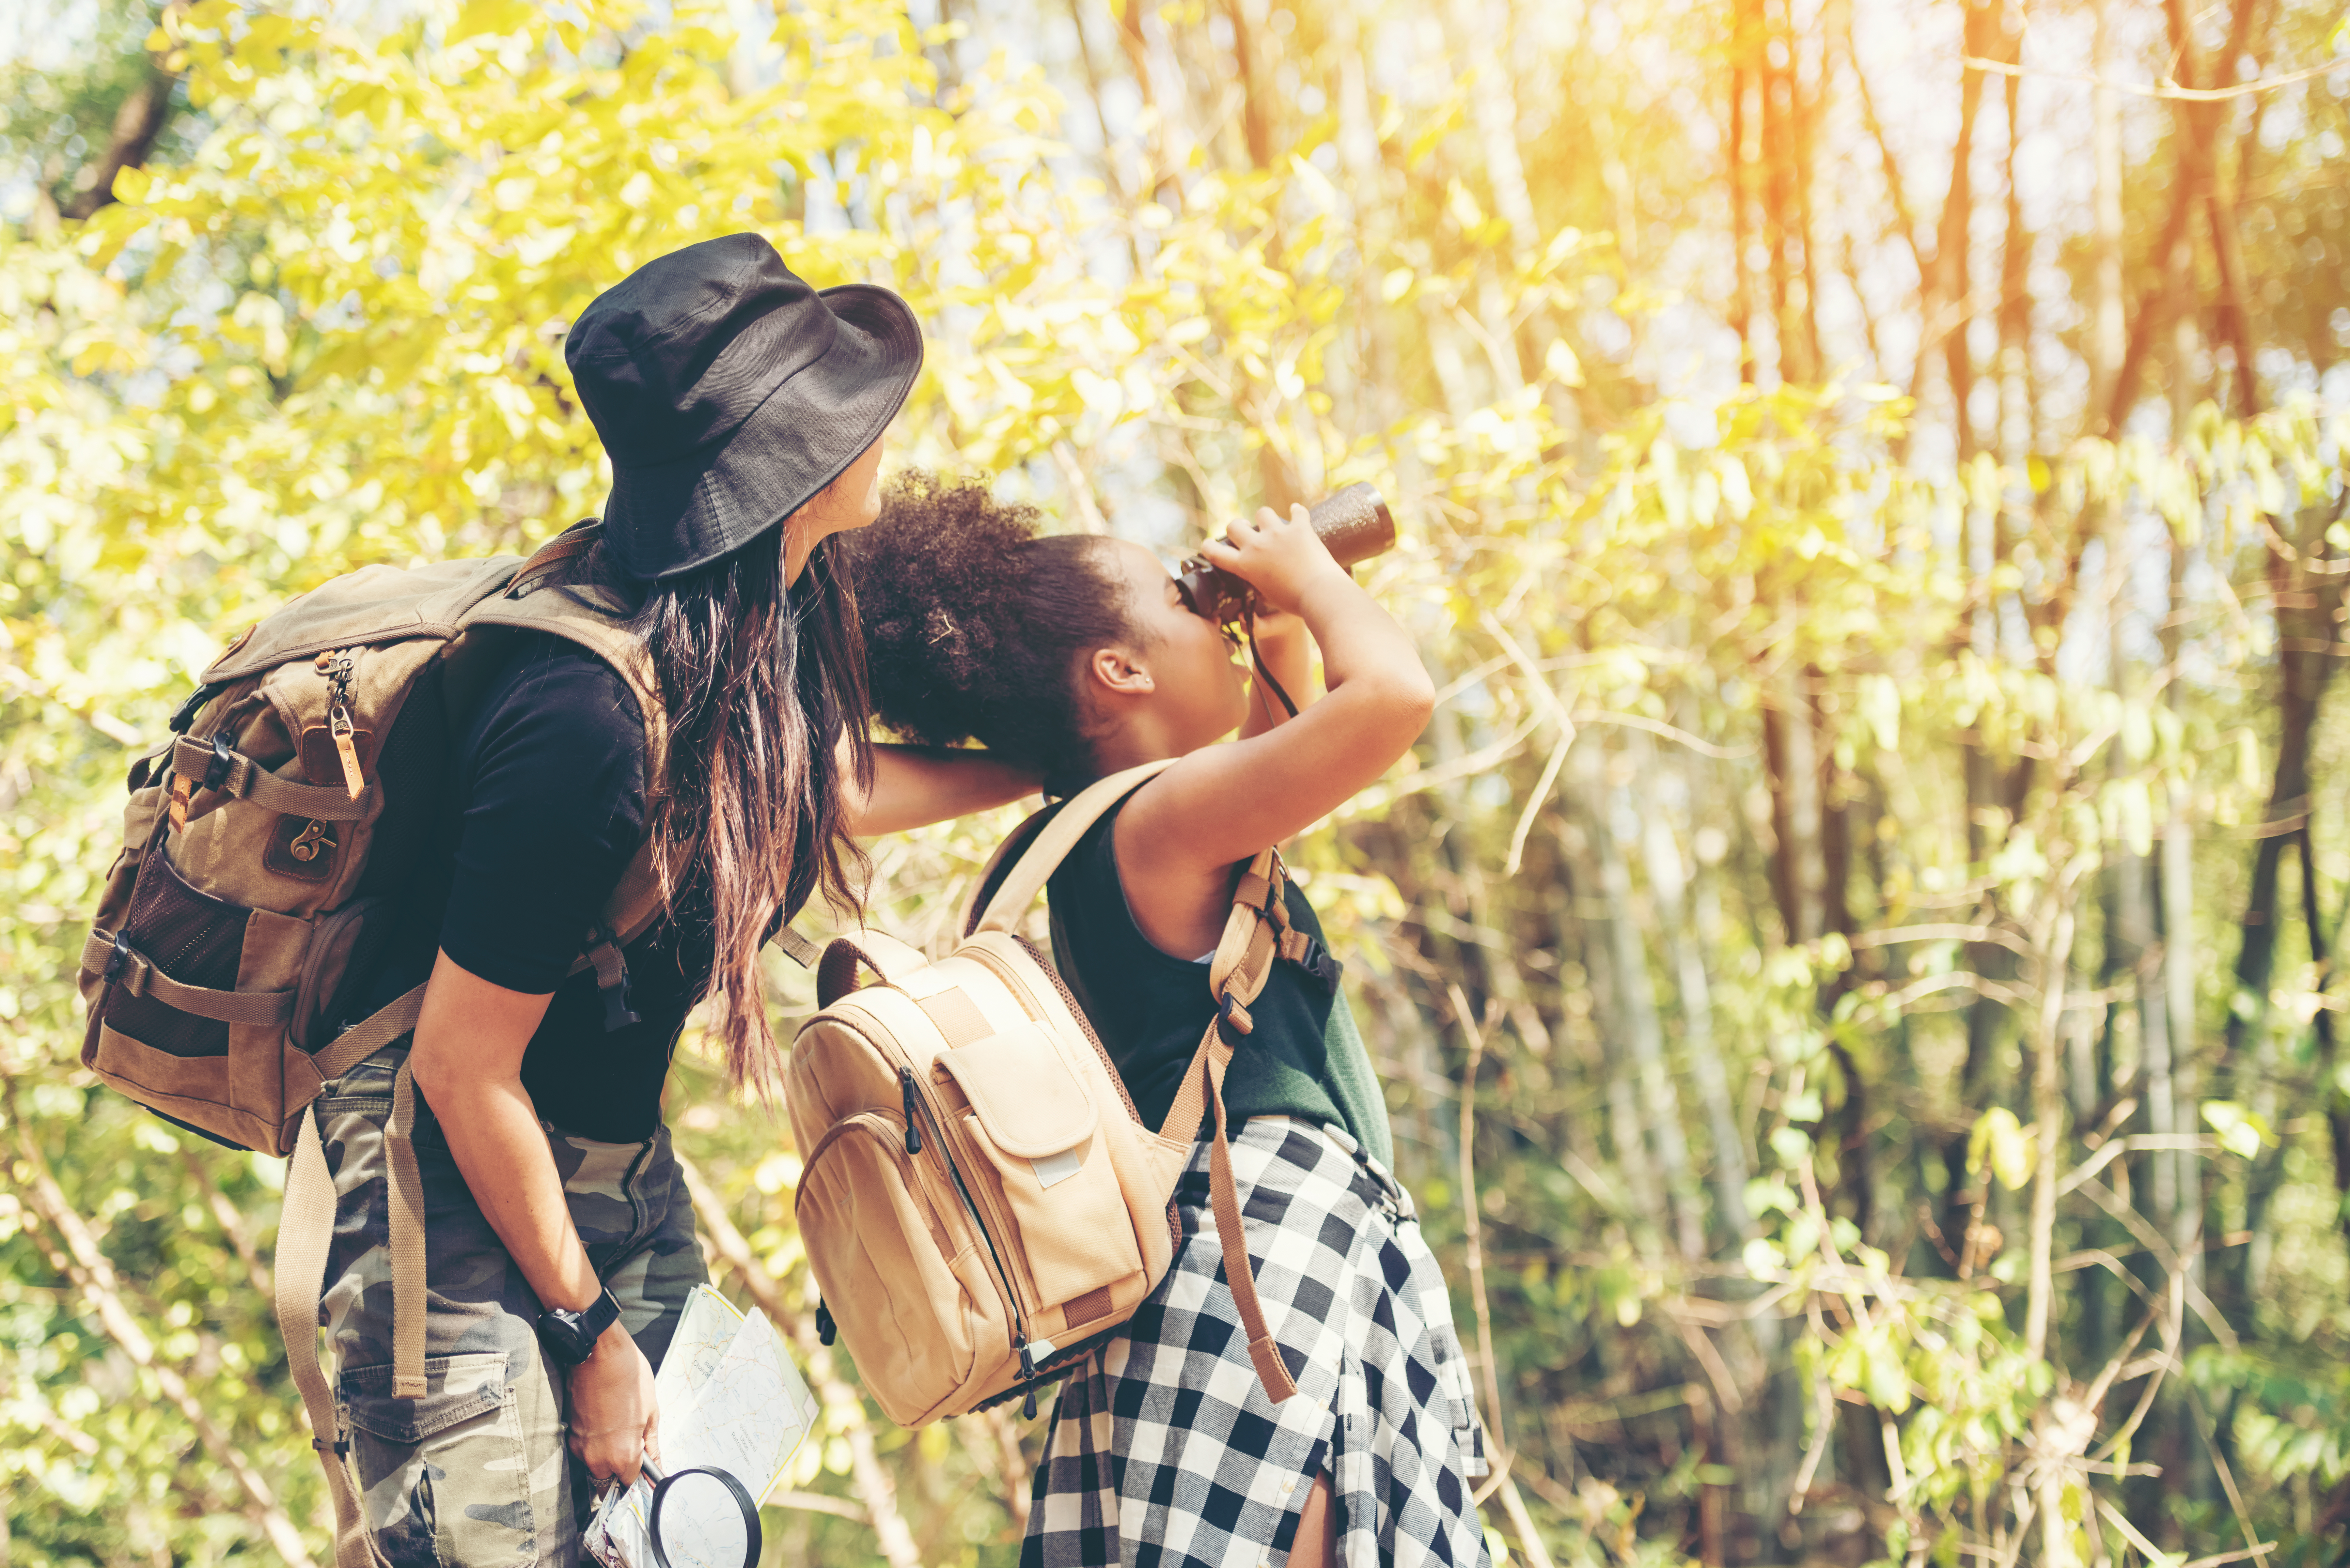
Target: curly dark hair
[[978, 623]]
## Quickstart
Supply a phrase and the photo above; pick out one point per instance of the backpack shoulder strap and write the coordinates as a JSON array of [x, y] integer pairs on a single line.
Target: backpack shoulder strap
[[539, 598], [1040, 856]]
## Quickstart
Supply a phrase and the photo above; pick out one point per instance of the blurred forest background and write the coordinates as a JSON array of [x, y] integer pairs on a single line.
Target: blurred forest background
[[1852, 960]]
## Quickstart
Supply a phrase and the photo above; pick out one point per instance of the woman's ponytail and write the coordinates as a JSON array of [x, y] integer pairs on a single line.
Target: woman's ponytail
[[757, 683]]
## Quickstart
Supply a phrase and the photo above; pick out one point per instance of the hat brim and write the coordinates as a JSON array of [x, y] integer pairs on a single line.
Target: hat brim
[[663, 522]]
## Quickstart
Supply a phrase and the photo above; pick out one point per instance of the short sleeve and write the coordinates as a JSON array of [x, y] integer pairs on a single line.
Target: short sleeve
[[551, 810]]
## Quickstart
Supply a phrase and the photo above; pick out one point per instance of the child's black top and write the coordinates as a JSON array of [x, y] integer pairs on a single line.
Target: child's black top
[[1304, 1058]]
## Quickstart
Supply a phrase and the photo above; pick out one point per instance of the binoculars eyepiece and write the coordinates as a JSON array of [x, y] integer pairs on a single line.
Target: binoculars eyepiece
[[1355, 524]]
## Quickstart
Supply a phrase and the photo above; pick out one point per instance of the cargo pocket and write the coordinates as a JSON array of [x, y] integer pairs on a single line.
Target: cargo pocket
[[1040, 1133], [445, 1478]]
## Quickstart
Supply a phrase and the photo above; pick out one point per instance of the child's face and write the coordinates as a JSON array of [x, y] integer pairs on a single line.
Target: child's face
[[1198, 690]]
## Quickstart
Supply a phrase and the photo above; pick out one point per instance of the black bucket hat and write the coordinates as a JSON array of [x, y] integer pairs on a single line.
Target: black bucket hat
[[728, 391]]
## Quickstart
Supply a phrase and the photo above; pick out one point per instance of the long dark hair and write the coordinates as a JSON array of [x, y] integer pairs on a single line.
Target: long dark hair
[[759, 684], [978, 624]]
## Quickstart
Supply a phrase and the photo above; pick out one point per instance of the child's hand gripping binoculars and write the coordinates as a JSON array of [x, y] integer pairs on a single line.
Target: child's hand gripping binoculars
[[1355, 525]]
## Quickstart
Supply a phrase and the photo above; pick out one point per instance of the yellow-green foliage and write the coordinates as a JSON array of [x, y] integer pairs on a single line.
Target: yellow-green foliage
[[332, 333]]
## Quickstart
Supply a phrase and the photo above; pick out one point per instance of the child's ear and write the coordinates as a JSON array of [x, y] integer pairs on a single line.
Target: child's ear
[[1116, 671]]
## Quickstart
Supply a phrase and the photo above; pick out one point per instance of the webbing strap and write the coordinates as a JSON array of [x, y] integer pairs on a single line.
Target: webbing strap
[[1244, 955], [796, 948], [114, 960], [369, 1035], [193, 764], [1042, 856], [405, 1190], [1203, 1091], [306, 1230], [636, 900]]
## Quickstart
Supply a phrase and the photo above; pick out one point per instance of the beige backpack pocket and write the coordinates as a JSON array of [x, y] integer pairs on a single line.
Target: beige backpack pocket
[[915, 1317], [1039, 1138]]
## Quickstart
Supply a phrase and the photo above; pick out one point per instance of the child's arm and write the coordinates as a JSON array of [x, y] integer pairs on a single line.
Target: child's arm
[[1287, 652], [1176, 840], [914, 786]]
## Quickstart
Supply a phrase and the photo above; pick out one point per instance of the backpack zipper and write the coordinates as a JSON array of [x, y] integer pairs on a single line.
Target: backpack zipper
[[916, 1102], [336, 665]]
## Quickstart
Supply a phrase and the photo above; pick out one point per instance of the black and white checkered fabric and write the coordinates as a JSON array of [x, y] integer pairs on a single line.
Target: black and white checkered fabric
[[1164, 1450]]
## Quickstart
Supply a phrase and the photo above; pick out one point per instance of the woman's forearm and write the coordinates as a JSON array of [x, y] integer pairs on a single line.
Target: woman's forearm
[[494, 1132], [467, 1058], [914, 786]]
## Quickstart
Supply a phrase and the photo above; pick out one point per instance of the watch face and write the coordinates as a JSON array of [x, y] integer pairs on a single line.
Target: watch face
[[563, 1333]]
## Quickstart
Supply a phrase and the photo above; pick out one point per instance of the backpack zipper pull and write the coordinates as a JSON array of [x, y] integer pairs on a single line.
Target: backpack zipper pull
[[825, 1328], [336, 666], [1028, 1377], [913, 1132]]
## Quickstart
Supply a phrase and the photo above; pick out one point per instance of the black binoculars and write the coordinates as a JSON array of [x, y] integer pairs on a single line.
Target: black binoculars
[[1355, 524]]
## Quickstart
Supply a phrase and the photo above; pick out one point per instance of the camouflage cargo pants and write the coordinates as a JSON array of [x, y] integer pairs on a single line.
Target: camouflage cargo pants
[[475, 1472]]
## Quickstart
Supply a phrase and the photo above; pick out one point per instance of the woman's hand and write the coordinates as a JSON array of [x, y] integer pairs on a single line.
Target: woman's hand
[[1281, 558], [614, 1420]]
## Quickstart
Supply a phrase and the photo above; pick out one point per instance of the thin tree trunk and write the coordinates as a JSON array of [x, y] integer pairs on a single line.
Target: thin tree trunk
[[1744, 32], [2195, 136], [1668, 883], [138, 123], [1954, 238], [2016, 408], [1643, 1033]]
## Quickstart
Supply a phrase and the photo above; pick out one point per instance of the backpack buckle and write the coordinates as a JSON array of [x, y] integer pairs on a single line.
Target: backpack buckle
[[1319, 963], [216, 770], [340, 1447], [1232, 1018], [118, 961]]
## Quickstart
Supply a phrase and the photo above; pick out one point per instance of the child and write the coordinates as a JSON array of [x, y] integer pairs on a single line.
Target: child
[[1076, 655]]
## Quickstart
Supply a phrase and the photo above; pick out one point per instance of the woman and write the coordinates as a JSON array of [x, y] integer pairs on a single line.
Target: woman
[[1079, 655], [743, 413]]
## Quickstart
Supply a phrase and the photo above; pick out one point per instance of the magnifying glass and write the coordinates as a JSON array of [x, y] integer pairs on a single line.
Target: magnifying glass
[[702, 1518]]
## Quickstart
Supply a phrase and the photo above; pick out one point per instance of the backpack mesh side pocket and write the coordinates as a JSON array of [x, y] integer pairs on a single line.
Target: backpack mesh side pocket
[[193, 937]]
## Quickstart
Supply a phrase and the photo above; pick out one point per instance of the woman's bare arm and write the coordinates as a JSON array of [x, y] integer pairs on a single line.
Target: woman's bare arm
[[467, 1058], [914, 786]]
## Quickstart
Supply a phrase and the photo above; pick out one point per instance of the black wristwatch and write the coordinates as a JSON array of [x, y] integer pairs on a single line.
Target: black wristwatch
[[570, 1336]]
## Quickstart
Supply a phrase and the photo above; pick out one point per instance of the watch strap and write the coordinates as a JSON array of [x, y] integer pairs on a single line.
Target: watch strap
[[570, 1336]]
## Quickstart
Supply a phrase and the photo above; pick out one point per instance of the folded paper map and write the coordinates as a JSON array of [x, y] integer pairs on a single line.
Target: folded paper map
[[729, 1396]]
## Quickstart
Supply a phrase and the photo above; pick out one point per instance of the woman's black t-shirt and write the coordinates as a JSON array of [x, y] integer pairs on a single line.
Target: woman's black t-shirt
[[545, 807]]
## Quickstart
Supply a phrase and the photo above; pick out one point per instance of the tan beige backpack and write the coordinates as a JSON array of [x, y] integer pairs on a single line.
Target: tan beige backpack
[[264, 849], [982, 1204]]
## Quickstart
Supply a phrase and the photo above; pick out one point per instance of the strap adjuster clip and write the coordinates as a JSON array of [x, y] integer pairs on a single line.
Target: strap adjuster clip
[[119, 960], [1232, 1018], [222, 759], [340, 1447]]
